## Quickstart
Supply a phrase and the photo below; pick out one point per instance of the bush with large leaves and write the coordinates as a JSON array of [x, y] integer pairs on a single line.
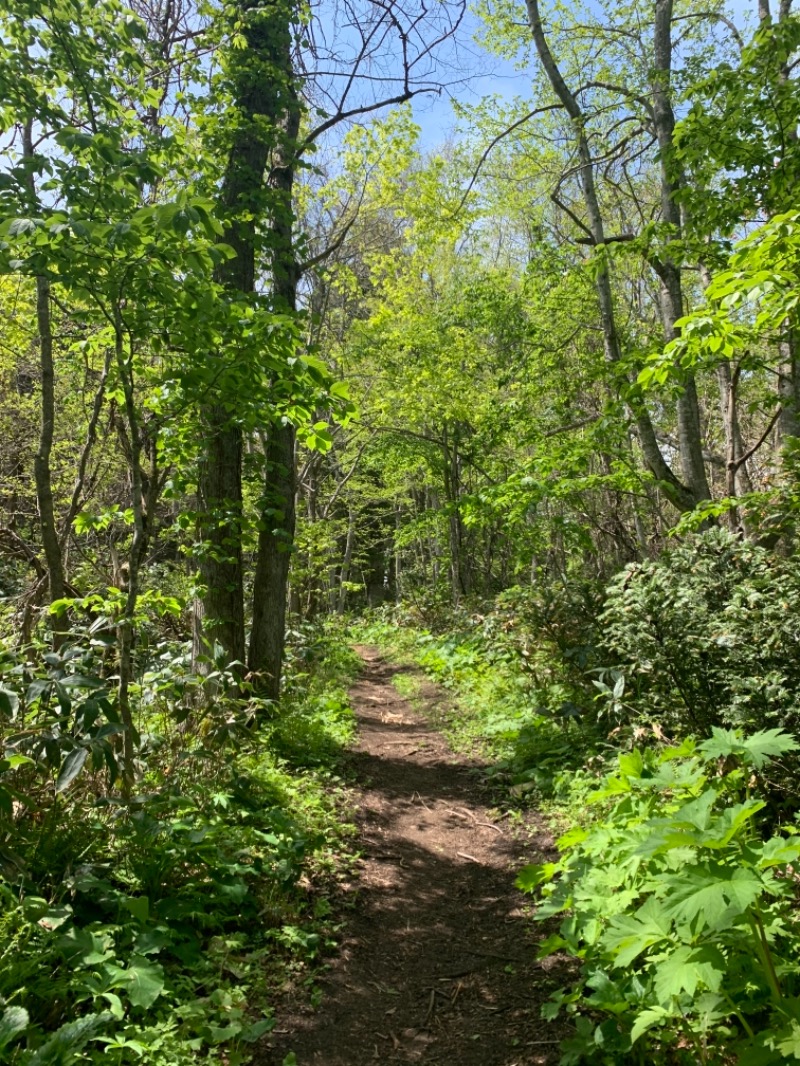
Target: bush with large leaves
[[682, 914]]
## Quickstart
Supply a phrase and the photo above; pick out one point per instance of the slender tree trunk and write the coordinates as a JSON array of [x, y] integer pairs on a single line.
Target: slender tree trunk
[[789, 420], [689, 428], [347, 560], [681, 496], [41, 464], [734, 443], [451, 492], [125, 629]]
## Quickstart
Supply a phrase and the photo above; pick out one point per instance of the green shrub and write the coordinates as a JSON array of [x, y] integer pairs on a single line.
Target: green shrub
[[144, 928], [708, 635], [682, 915]]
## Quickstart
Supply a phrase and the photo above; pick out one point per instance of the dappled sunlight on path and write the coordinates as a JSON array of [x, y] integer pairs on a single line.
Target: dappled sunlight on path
[[438, 963]]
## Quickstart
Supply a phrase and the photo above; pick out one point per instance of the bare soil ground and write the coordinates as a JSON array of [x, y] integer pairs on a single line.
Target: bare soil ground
[[437, 966]]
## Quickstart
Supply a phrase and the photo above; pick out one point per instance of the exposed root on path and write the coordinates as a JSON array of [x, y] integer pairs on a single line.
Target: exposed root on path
[[438, 965]]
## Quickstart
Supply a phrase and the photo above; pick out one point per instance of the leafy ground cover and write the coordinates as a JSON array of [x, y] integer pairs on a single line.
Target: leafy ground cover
[[155, 928], [680, 900]]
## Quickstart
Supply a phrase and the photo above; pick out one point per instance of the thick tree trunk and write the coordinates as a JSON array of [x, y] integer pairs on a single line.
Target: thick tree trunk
[[219, 618], [244, 204], [271, 578], [270, 586]]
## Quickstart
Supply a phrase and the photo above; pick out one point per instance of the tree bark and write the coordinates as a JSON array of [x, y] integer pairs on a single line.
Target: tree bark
[[734, 442], [126, 627], [681, 496], [789, 420], [669, 273], [220, 619], [347, 561], [42, 472], [270, 586], [271, 578]]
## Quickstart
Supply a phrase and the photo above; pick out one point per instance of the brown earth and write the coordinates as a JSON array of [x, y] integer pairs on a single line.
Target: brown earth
[[437, 966]]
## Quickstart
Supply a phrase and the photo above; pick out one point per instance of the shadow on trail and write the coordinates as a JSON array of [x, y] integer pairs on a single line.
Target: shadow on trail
[[438, 964]]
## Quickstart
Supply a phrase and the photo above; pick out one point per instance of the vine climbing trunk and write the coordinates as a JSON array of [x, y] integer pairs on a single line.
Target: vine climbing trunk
[[243, 203], [277, 526]]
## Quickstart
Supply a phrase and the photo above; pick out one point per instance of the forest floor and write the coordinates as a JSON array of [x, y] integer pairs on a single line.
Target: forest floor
[[437, 965]]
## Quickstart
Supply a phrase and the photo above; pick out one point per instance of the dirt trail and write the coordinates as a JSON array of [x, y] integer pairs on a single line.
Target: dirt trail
[[438, 964]]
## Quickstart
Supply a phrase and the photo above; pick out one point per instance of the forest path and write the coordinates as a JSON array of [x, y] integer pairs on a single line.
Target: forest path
[[438, 965]]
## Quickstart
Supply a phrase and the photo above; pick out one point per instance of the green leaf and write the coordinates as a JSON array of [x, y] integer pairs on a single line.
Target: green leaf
[[628, 935], [13, 761], [776, 851], [768, 744], [63, 1046], [253, 1032], [647, 1020], [114, 1005], [55, 917], [756, 750], [145, 981], [711, 895], [70, 768], [9, 702], [572, 838], [788, 1042], [535, 874], [138, 906], [13, 1022], [631, 764], [688, 968], [81, 681], [20, 226]]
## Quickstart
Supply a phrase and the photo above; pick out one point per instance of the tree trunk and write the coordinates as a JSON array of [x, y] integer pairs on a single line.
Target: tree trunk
[[789, 420], [270, 585], [347, 561], [41, 464], [125, 629], [271, 578], [681, 496], [734, 443], [689, 428], [244, 201]]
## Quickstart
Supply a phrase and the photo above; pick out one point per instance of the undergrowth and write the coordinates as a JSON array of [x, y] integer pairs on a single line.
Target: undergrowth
[[156, 928]]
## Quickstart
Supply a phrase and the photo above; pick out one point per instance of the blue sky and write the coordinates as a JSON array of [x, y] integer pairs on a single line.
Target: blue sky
[[485, 75]]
